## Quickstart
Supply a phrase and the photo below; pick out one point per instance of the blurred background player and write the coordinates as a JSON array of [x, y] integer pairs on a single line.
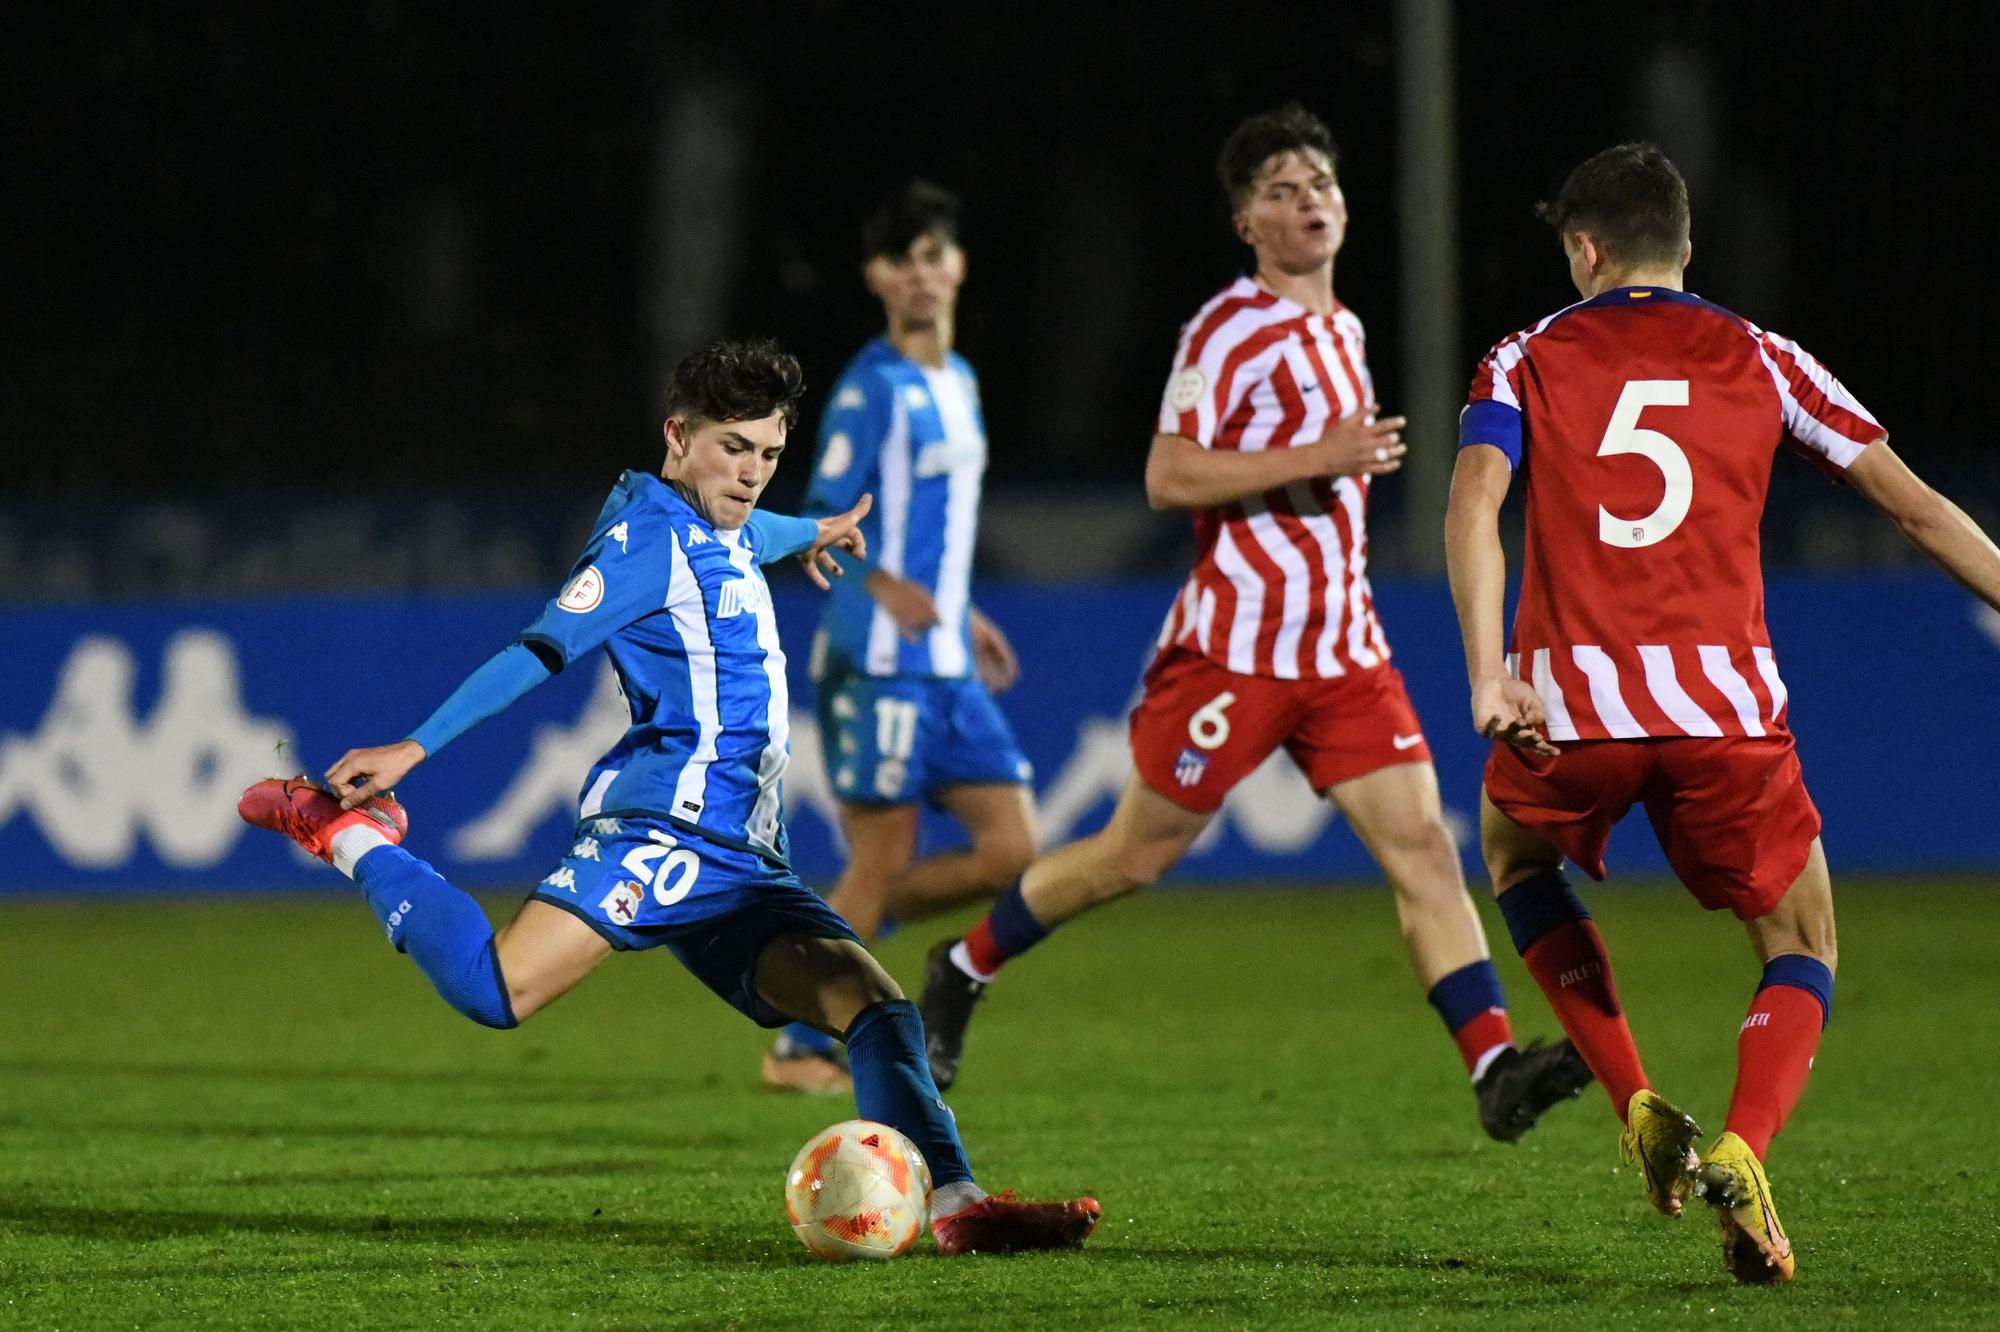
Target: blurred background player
[[1650, 418], [1270, 433], [680, 839], [906, 665]]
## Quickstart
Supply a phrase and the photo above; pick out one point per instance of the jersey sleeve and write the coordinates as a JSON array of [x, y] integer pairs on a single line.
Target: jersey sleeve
[[773, 536], [850, 441], [1820, 415], [624, 574], [494, 687], [1492, 413], [1207, 379]]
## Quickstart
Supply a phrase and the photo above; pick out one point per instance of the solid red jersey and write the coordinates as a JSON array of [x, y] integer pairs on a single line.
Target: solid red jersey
[[1649, 419], [1281, 585]]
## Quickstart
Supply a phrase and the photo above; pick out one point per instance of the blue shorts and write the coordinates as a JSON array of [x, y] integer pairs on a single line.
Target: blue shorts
[[644, 882], [894, 740]]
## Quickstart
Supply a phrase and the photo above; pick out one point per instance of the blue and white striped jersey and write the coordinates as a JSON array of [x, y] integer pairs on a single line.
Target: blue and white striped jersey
[[914, 436], [685, 615]]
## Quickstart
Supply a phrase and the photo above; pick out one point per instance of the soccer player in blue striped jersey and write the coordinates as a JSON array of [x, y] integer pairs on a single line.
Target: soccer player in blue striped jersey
[[679, 841], [906, 665]]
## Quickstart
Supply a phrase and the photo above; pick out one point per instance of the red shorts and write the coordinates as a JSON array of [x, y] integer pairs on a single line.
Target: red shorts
[[1201, 728], [1732, 813]]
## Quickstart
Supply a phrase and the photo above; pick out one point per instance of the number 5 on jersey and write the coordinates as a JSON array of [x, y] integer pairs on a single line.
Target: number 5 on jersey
[[1624, 435]]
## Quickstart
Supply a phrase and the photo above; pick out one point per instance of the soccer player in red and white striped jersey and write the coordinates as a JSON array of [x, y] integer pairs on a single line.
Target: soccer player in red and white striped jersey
[[1271, 435], [1640, 669]]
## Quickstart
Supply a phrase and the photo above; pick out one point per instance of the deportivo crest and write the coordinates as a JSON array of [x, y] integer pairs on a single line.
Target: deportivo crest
[[584, 592], [1186, 390], [621, 904]]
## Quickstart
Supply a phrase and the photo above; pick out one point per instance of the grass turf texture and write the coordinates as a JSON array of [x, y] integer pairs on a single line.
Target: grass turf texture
[[253, 1113]]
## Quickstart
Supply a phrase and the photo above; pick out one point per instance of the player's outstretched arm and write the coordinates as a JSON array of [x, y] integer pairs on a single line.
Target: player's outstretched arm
[[1937, 527], [1181, 474], [1503, 708]]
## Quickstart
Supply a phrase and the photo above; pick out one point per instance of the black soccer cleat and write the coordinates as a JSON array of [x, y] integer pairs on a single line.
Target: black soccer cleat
[[949, 998], [1521, 1084]]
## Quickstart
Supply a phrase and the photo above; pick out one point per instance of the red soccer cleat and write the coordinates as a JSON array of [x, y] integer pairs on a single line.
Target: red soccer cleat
[[304, 812], [1003, 1223]]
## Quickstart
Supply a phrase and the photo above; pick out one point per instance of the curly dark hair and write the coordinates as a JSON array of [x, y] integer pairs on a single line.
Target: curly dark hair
[[1288, 129], [737, 381], [1631, 198], [918, 209]]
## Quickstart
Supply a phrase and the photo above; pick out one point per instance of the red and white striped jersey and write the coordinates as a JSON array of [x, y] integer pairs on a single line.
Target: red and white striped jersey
[[1281, 585], [1649, 419]]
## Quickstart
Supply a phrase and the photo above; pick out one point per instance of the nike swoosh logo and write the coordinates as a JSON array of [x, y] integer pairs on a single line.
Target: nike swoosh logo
[[1408, 741]]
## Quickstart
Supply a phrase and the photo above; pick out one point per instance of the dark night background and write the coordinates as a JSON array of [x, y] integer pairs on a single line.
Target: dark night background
[[313, 292]]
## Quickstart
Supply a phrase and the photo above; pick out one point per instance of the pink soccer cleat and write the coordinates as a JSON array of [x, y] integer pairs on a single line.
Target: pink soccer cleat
[[306, 813], [1003, 1223]]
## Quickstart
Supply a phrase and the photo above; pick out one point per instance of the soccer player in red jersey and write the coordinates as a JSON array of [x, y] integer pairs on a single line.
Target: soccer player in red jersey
[[1270, 434], [1641, 671]]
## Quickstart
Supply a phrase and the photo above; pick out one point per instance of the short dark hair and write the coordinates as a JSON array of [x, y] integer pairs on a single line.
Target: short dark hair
[[916, 210], [1289, 129], [1631, 198], [737, 381]]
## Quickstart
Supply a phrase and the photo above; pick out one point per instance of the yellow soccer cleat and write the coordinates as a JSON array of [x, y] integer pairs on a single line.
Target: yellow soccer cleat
[[1754, 1246], [1660, 1140]]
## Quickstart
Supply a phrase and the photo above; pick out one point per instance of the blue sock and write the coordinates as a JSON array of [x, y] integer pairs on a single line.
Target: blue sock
[[1475, 1013], [1538, 904], [442, 930], [811, 1039], [1802, 973], [892, 1085]]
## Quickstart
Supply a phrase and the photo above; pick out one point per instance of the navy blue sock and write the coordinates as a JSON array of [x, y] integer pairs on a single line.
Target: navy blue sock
[[1538, 904], [1009, 930], [808, 1038], [1802, 973], [892, 1085], [442, 930], [1474, 1012]]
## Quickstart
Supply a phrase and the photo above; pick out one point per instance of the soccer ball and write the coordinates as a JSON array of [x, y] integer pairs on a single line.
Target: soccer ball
[[858, 1190]]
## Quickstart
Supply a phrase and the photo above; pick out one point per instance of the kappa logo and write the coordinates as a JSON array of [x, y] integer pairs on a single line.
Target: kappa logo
[[564, 878], [584, 593], [622, 903], [587, 849], [618, 533], [695, 537], [850, 398], [606, 827], [740, 596], [916, 398]]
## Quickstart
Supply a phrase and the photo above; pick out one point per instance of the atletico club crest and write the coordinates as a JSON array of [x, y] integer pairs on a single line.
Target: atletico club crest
[[1190, 767]]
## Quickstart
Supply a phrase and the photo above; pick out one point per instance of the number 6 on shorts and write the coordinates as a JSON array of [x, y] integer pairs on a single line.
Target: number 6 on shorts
[[1208, 727]]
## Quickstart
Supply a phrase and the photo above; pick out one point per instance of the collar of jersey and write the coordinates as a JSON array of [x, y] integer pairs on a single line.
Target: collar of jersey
[[1642, 295]]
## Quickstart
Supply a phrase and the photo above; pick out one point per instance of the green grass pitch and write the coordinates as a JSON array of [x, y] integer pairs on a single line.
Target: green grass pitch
[[253, 1114]]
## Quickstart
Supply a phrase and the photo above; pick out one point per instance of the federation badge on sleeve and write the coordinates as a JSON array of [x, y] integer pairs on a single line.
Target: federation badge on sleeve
[[1187, 388], [584, 592]]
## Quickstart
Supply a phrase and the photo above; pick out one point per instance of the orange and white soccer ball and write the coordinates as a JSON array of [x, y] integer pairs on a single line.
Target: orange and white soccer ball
[[858, 1190]]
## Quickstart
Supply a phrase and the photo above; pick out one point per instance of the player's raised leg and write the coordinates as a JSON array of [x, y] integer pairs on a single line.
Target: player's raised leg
[[496, 980], [1397, 813], [1557, 939], [837, 986], [1147, 833], [1774, 1055]]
